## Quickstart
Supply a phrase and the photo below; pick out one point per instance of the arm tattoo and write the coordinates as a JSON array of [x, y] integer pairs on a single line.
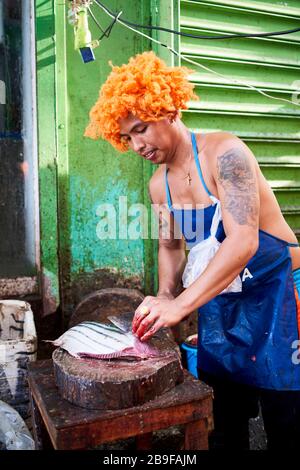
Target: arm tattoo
[[238, 181]]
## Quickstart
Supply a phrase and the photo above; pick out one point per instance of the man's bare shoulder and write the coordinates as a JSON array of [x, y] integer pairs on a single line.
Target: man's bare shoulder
[[157, 185], [217, 140], [218, 143]]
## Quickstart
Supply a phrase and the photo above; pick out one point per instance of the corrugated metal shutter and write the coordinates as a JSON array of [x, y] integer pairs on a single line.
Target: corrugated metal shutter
[[271, 128]]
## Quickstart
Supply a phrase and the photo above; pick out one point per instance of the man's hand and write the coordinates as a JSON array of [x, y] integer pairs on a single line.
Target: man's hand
[[155, 313]]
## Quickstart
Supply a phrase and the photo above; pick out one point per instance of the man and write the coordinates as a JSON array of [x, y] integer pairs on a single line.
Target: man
[[248, 287]]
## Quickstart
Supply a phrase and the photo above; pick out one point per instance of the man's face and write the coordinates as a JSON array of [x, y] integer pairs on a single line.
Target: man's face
[[153, 140]]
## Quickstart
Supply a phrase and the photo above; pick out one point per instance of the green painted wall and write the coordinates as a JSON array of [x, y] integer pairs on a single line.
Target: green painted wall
[[78, 174]]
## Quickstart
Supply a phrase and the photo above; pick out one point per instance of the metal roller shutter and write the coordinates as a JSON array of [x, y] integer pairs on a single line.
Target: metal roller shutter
[[271, 128]]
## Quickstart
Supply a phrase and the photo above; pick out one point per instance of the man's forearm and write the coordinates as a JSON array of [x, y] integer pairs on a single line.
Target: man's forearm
[[171, 263], [228, 262]]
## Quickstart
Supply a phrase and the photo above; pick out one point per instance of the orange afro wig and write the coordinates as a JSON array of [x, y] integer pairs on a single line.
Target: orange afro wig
[[147, 88]]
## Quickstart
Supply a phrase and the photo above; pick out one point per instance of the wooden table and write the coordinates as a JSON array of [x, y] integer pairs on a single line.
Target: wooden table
[[59, 424]]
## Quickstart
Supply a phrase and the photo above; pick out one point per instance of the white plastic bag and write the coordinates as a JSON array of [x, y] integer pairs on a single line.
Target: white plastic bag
[[202, 253], [14, 434]]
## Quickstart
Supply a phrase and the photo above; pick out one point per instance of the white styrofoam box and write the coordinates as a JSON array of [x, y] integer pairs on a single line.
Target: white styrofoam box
[[18, 346]]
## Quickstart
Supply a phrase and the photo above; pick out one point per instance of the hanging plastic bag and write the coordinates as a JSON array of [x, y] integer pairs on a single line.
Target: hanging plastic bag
[[14, 434], [203, 252]]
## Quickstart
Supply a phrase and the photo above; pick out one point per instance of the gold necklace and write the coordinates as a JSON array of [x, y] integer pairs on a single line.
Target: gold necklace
[[188, 175]]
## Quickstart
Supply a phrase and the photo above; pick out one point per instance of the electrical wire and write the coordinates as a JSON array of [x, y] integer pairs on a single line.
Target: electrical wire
[[97, 22], [183, 57], [107, 31], [112, 24], [197, 36]]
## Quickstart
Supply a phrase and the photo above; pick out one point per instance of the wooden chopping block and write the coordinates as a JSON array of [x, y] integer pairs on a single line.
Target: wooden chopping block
[[98, 305], [116, 384]]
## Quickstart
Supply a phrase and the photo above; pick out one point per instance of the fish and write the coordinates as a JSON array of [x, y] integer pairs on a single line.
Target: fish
[[91, 339]]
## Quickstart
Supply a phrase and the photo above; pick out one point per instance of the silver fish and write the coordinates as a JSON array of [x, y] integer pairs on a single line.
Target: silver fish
[[104, 341]]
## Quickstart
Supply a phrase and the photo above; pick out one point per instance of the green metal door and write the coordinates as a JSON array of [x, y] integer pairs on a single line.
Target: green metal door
[[271, 128]]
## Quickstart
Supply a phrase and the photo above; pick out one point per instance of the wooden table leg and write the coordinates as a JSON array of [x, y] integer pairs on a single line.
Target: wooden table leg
[[196, 435], [143, 441], [40, 433]]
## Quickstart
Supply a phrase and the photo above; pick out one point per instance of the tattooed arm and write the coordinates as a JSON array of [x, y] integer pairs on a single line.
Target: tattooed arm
[[171, 258], [236, 182], [238, 192], [171, 247]]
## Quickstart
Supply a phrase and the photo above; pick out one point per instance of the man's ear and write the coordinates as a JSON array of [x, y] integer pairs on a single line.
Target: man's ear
[[173, 117]]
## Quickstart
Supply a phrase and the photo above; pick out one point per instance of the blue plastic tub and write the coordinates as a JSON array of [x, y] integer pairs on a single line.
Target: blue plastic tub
[[191, 358]]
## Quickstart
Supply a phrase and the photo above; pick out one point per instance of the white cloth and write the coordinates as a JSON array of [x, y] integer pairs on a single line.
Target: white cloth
[[202, 253]]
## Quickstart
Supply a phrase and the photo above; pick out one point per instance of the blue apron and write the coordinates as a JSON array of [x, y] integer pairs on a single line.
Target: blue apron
[[248, 336]]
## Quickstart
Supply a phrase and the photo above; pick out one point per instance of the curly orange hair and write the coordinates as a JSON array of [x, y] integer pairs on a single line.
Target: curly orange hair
[[147, 88]]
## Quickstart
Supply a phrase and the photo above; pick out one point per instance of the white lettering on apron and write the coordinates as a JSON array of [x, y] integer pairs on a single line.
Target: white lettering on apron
[[246, 275]]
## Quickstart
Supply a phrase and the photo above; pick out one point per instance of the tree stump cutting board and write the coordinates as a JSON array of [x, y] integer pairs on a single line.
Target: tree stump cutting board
[[116, 384]]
